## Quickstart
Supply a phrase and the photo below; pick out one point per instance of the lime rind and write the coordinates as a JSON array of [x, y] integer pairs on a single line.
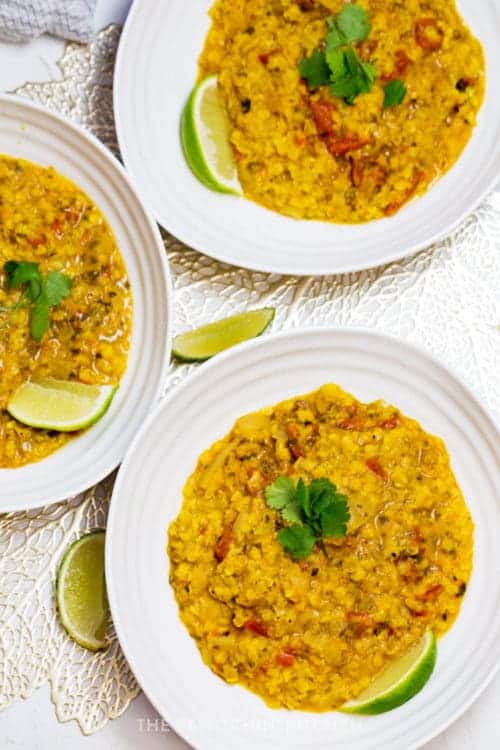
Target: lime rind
[[87, 639], [410, 683], [195, 153], [209, 340], [64, 406], [192, 147]]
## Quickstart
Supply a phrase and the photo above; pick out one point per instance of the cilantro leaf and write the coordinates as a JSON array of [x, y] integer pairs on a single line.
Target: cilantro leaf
[[336, 62], [10, 268], [19, 273], [346, 87], [297, 540], [292, 513], [369, 73], [315, 70], [354, 23], [302, 495], [323, 501], [351, 61], [394, 93], [280, 493], [334, 38], [322, 492], [56, 287], [39, 321], [335, 517]]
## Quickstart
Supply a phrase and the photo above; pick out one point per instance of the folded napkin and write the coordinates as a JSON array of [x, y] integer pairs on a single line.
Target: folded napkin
[[21, 20]]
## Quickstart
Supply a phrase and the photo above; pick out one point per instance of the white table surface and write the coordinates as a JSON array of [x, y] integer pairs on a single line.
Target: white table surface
[[32, 724]]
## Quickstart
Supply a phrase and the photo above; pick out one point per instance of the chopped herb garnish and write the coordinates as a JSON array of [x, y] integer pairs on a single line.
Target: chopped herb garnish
[[39, 293], [335, 37], [314, 511], [353, 22], [339, 65], [297, 540], [394, 93], [358, 77], [280, 493], [23, 273], [315, 69]]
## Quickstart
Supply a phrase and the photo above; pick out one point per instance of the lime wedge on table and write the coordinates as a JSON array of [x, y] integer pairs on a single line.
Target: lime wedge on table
[[205, 131], [81, 597], [60, 405], [400, 682], [204, 342]]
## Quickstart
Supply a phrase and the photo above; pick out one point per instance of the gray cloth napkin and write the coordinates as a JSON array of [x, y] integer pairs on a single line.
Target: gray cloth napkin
[[21, 20]]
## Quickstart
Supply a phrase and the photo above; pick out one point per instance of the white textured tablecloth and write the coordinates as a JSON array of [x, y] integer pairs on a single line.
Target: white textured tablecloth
[[21, 20]]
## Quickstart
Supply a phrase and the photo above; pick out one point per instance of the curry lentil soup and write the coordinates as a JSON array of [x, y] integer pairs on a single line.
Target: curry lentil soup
[[46, 219], [312, 634], [310, 155]]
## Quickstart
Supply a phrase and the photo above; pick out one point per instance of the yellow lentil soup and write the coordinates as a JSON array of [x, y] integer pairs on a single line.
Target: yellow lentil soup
[[45, 219], [306, 153], [310, 634]]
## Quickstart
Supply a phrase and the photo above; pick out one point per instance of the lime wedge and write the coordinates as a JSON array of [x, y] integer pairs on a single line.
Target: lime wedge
[[60, 405], [400, 682], [205, 131], [204, 342], [81, 597]]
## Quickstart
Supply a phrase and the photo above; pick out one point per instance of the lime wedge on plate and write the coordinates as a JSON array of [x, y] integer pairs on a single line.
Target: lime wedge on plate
[[400, 682], [204, 342], [60, 405], [205, 131], [81, 597]]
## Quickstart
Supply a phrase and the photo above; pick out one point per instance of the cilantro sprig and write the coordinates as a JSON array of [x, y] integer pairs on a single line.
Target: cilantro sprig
[[338, 65], [39, 293], [313, 511]]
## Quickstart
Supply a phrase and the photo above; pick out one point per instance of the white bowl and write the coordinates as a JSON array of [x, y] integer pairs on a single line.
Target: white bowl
[[156, 69], [209, 713], [33, 133]]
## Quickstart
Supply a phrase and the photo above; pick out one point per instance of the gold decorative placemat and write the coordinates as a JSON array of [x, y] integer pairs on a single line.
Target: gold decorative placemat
[[445, 299]]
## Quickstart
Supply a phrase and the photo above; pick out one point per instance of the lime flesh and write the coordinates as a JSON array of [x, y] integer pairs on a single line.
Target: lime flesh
[[205, 342], [400, 682], [205, 132], [60, 405], [81, 597]]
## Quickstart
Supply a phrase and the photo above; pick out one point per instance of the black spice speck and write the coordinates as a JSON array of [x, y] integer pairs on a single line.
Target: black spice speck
[[461, 590]]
